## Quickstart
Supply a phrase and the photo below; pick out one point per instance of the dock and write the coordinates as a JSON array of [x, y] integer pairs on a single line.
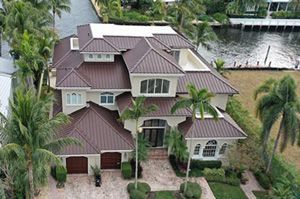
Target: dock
[[265, 23]]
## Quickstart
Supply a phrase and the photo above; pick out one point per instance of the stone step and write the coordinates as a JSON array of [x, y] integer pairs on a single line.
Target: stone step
[[158, 154]]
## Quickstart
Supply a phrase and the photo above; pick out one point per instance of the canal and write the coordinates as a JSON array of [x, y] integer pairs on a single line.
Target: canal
[[233, 45]]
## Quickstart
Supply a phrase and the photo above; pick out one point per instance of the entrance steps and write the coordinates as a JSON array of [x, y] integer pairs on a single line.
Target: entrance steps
[[158, 154]]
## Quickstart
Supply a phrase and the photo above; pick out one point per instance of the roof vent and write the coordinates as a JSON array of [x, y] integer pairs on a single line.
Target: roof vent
[[74, 44], [88, 105]]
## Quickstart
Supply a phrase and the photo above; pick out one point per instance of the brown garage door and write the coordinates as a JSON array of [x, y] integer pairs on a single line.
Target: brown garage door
[[77, 165], [110, 160]]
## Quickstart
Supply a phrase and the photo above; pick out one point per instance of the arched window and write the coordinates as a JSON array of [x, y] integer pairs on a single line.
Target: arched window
[[210, 149], [155, 86], [223, 149], [74, 99], [197, 149], [154, 132], [107, 98]]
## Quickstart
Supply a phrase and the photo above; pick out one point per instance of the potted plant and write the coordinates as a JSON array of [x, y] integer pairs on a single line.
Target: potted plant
[[97, 175]]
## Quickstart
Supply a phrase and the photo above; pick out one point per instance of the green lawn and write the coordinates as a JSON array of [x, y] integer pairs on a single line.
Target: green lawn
[[225, 191], [164, 195], [261, 195]]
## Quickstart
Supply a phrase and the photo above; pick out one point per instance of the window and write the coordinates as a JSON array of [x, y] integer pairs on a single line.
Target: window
[[154, 132], [210, 149], [91, 56], [74, 99], [197, 149], [176, 54], [107, 98], [223, 149], [99, 56], [156, 86]]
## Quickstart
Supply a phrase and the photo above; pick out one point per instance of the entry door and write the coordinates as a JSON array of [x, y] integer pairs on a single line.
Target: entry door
[[155, 137]]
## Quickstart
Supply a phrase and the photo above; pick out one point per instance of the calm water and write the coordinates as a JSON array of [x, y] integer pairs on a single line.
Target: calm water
[[242, 46]]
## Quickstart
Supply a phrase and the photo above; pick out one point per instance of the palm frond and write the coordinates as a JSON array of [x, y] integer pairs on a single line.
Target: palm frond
[[181, 103], [266, 87]]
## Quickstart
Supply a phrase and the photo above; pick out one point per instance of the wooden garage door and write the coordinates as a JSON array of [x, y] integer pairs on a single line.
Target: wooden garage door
[[110, 160], [77, 165]]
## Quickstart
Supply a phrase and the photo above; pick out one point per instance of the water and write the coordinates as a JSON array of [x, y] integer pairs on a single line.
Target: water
[[82, 12], [242, 46]]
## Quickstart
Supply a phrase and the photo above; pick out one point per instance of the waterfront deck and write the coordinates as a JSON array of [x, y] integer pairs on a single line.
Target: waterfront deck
[[264, 23]]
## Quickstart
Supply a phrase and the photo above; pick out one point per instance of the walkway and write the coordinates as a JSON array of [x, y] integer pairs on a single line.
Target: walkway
[[252, 185], [206, 191]]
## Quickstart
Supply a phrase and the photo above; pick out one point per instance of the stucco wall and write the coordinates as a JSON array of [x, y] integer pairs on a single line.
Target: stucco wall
[[218, 100], [191, 144], [94, 96], [189, 61], [136, 84], [67, 109], [93, 160]]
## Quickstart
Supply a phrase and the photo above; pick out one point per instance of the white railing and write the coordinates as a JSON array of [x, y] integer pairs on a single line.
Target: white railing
[[264, 22]]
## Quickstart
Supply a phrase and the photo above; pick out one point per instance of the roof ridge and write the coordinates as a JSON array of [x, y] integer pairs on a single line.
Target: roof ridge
[[82, 78], [160, 42], [136, 65], [104, 119], [239, 128], [86, 44], [111, 44], [65, 77], [89, 141], [224, 81]]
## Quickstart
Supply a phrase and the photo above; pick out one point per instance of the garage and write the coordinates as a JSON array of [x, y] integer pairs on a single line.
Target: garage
[[111, 160], [77, 164]]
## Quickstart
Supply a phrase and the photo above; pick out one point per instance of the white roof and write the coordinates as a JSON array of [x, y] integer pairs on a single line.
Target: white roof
[[7, 66], [100, 30], [5, 91]]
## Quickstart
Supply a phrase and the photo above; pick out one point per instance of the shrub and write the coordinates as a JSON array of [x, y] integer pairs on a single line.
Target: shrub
[[173, 162], [136, 194], [96, 170], [140, 169], [263, 179], [141, 186], [200, 164], [221, 18], [193, 190], [220, 173], [61, 174], [53, 172], [133, 16], [126, 170]]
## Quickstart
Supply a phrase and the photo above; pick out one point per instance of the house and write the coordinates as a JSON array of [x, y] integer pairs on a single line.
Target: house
[[99, 70], [7, 70]]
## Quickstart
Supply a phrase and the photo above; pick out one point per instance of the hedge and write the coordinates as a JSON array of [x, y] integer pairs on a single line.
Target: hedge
[[141, 186], [173, 162], [136, 194], [193, 190], [61, 174], [263, 179], [126, 170], [200, 164]]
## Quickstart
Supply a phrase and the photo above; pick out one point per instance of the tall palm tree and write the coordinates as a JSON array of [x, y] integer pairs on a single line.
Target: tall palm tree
[[220, 66], [198, 101], [31, 136], [59, 6], [135, 112], [279, 103], [176, 144], [204, 33]]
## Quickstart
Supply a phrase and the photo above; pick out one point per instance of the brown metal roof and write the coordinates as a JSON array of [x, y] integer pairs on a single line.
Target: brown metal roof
[[164, 105], [61, 49], [100, 46], [73, 59], [97, 75], [57, 105], [84, 35], [98, 129], [174, 40], [123, 42], [204, 79], [147, 58], [210, 128]]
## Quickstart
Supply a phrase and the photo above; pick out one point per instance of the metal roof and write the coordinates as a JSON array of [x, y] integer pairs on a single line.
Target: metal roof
[[147, 58], [209, 128], [174, 41], [5, 92], [98, 129], [164, 105], [204, 79]]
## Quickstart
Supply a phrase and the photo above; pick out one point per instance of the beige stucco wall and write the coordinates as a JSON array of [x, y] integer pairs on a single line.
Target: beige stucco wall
[[191, 144], [189, 61], [218, 100], [136, 83], [67, 109], [94, 96]]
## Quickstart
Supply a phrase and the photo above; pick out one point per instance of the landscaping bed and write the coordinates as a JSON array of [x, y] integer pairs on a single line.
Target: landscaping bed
[[165, 195], [225, 191], [261, 195]]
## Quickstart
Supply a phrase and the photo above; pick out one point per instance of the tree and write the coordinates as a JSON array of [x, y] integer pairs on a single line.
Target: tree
[[279, 103], [135, 112], [31, 136], [220, 66], [176, 144], [158, 10], [143, 149], [283, 189], [109, 8], [204, 33], [59, 6], [198, 101]]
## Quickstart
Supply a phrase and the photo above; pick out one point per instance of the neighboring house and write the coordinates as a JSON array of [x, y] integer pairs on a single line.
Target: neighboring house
[[7, 70], [97, 72]]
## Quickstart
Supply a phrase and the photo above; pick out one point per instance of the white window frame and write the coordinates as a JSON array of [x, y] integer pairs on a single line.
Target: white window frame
[[211, 148], [70, 101], [223, 149], [155, 85], [198, 147], [107, 94]]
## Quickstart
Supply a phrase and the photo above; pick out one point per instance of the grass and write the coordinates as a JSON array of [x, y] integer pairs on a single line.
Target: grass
[[246, 82], [225, 191], [164, 195], [261, 195]]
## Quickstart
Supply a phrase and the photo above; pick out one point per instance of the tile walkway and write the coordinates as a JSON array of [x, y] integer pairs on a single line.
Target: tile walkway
[[252, 185]]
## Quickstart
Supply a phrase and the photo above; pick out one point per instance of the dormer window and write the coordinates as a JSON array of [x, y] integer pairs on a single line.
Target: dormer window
[[91, 56], [155, 86], [99, 57], [74, 99], [74, 44]]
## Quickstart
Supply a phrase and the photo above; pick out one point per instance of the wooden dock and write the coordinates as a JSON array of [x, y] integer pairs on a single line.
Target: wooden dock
[[264, 23]]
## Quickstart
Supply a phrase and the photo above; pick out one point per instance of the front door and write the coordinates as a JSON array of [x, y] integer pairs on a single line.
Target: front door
[[155, 137]]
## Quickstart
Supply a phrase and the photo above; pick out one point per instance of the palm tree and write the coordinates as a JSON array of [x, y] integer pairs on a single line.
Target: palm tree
[[31, 136], [109, 8], [59, 6], [204, 33], [158, 10], [176, 144], [135, 112], [198, 101], [220, 66], [279, 103]]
